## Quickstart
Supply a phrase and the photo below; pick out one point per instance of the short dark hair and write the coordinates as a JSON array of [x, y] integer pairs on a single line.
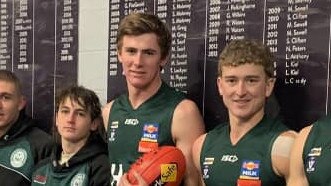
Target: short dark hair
[[136, 24], [84, 97]]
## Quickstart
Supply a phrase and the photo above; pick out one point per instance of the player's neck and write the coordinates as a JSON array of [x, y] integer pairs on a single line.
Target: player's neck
[[138, 96], [239, 127], [69, 147]]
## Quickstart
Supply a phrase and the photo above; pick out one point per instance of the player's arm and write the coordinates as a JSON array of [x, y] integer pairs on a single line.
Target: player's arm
[[187, 126], [105, 113], [196, 151], [280, 153], [297, 176]]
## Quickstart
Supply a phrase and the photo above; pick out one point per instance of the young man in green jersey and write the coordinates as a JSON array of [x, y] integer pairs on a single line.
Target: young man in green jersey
[[152, 114], [251, 148]]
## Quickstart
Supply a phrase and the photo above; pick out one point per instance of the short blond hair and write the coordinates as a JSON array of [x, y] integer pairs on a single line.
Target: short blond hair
[[239, 52]]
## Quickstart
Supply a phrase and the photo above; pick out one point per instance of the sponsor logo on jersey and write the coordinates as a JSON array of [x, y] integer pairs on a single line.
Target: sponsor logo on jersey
[[229, 158], [149, 139], [150, 132], [316, 151], [208, 161], [250, 169], [18, 158], [40, 179], [114, 125], [78, 180], [131, 122]]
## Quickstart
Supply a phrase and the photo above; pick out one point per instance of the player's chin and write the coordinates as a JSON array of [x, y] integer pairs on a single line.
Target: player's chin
[[241, 113], [70, 136], [138, 82]]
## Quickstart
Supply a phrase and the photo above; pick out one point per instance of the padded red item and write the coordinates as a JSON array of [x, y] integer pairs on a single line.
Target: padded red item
[[165, 164]]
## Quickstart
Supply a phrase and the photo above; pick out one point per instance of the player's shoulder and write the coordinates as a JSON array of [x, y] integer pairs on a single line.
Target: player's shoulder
[[107, 107], [305, 131], [197, 145], [186, 106], [288, 134]]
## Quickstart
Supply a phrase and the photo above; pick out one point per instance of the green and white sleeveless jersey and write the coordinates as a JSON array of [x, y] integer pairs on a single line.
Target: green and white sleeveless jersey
[[250, 159], [317, 153], [133, 131]]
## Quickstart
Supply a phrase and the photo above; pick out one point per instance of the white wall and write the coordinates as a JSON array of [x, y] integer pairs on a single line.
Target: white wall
[[93, 46]]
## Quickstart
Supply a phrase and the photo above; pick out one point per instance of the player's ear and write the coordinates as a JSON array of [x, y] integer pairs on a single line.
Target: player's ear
[[163, 62], [219, 85], [119, 55], [95, 123], [270, 86], [22, 102]]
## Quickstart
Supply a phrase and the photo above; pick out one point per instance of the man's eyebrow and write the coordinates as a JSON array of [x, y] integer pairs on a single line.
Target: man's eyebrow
[[78, 109], [6, 94], [149, 50], [229, 76], [253, 76]]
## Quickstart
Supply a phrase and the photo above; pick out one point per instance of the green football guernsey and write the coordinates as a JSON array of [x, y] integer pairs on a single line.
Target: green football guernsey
[[132, 132], [249, 160], [317, 153]]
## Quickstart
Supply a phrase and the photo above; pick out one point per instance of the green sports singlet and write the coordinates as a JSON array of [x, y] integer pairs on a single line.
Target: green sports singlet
[[317, 153], [149, 124], [223, 164]]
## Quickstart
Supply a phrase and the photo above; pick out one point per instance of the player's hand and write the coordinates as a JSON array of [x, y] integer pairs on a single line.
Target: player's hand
[[125, 182]]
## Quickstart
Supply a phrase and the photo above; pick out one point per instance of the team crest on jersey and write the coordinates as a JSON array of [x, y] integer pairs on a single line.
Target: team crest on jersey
[[78, 180], [207, 162], [250, 169], [18, 158], [311, 164]]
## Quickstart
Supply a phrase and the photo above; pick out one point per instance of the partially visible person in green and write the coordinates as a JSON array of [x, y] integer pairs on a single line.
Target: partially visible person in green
[[22, 143], [80, 155]]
